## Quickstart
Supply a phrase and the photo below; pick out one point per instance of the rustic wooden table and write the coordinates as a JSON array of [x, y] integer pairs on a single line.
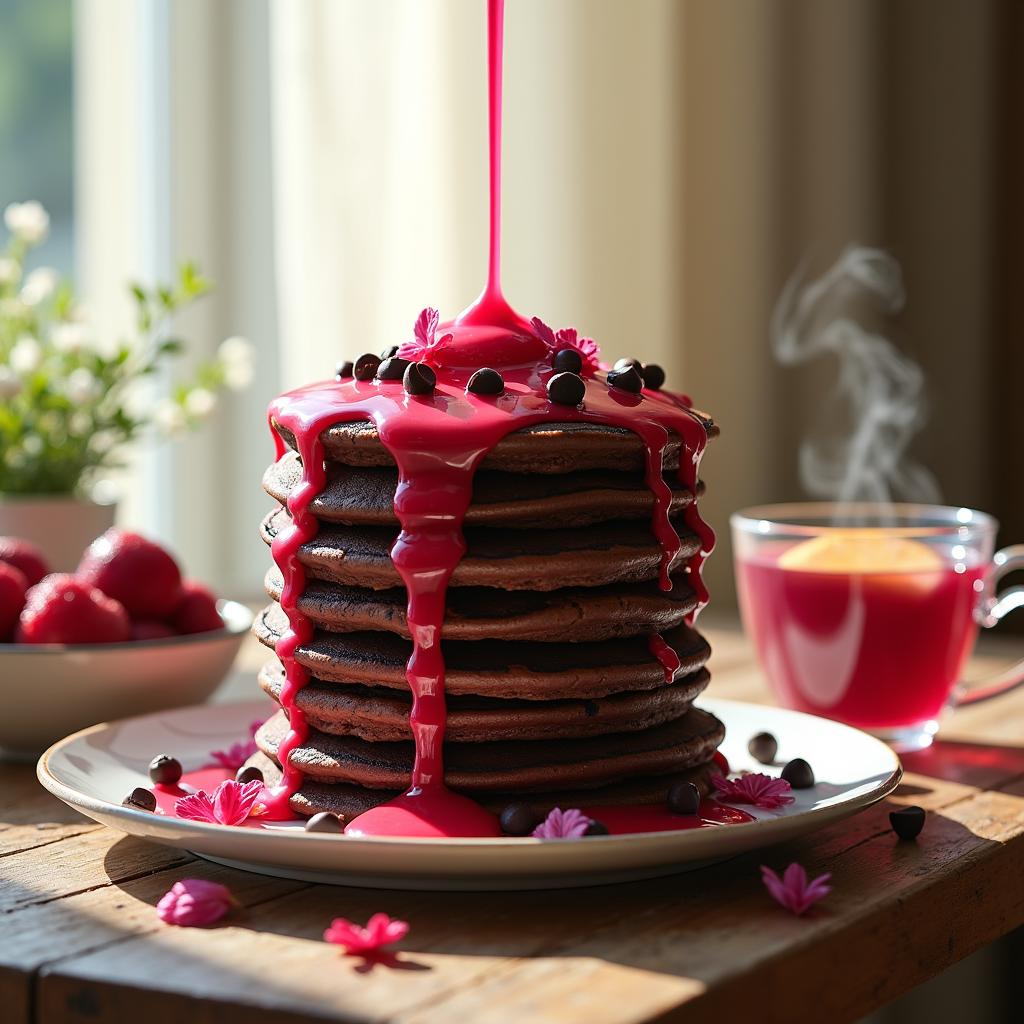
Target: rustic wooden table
[[80, 940]]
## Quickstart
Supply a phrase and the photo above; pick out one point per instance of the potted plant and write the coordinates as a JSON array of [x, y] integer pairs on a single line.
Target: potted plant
[[72, 403]]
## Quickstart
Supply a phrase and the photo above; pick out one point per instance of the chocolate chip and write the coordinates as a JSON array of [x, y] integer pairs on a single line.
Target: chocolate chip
[[566, 388], [684, 798], [250, 774], [486, 382], [907, 822], [568, 359], [419, 379], [519, 820], [343, 370], [141, 799], [763, 747], [627, 379], [596, 828], [625, 364], [391, 350], [324, 822], [365, 366], [798, 773], [165, 769], [653, 376], [392, 368]]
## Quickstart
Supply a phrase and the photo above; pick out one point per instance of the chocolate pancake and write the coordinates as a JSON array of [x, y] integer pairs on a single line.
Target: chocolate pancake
[[484, 613], [499, 668], [507, 765], [349, 801], [378, 715], [364, 496], [590, 556]]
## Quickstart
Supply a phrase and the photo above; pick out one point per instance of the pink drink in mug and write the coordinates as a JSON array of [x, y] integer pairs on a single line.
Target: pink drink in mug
[[866, 613]]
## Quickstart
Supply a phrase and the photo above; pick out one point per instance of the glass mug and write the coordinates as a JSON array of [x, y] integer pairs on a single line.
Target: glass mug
[[866, 613]]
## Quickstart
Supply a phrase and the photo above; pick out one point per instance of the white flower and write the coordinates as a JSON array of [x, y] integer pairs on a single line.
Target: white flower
[[236, 358], [40, 284], [79, 424], [200, 402], [81, 386], [170, 417], [103, 440], [33, 445], [12, 309], [10, 383], [27, 221], [26, 355], [69, 338], [9, 270]]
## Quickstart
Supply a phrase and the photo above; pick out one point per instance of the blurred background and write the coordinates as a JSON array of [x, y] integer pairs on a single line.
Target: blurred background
[[669, 165]]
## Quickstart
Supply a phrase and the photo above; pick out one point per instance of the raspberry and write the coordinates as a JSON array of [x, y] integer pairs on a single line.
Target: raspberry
[[197, 610], [12, 598], [24, 555], [134, 571], [64, 610]]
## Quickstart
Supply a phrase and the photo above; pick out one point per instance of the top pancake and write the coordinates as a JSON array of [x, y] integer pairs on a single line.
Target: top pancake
[[546, 448]]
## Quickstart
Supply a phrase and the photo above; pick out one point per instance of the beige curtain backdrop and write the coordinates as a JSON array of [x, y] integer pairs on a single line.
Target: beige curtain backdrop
[[667, 167]]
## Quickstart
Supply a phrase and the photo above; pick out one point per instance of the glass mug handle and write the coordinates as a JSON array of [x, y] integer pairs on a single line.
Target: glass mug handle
[[992, 609]]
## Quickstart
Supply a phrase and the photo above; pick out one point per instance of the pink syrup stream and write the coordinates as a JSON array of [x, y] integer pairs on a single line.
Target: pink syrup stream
[[437, 442]]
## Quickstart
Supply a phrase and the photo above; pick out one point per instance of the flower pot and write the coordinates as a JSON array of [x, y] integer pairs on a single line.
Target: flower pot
[[62, 527]]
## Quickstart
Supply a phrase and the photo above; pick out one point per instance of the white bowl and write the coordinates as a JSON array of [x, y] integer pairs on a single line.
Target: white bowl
[[51, 690]]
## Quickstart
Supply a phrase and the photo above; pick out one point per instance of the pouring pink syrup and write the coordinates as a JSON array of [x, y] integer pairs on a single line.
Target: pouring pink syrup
[[437, 442]]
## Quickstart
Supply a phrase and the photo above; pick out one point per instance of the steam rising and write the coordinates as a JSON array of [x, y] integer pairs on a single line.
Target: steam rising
[[882, 389]]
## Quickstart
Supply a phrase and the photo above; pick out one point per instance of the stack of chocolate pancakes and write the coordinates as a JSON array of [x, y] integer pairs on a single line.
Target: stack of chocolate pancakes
[[559, 690]]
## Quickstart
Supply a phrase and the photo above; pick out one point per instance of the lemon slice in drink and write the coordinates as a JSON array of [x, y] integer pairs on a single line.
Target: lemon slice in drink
[[860, 552]]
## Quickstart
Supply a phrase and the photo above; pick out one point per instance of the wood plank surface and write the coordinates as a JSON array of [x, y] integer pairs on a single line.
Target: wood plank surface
[[81, 941]]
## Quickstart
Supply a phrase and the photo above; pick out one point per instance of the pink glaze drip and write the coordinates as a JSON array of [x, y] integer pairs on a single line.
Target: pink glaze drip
[[437, 442], [670, 661]]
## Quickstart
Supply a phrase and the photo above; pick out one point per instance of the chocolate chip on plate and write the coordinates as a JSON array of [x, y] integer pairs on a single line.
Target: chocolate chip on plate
[[684, 798], [566, 388], [568, 359], [419, 379], [165, 769], [392, 368], [519, 820], [653, 376], [907, 822], [391, 350], [324, 822], [798, 773], [596, 828], [763, 747], [141, 799], [625, 364], [343, 370], [626, 379], [486, 382], [365, 366], [250, 774]]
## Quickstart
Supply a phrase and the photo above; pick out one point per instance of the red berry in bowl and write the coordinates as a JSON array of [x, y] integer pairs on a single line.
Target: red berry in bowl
[[134, 571], [26, 557], [197, 610], [12, 598], [64, 610], [151, 629]]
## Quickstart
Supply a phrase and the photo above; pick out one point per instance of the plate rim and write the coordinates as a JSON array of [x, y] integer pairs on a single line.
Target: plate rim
[[183, 828]]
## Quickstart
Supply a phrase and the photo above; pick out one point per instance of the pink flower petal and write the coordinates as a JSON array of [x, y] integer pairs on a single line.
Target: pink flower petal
[[194, 903], [237, 754], [380, 931], [793, 890], [569, 337], [754, 788], [232, 802], [559, 824]]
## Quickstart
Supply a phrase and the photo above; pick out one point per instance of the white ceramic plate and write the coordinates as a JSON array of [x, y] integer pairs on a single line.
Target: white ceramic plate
[[49, 690], [93, 770]]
